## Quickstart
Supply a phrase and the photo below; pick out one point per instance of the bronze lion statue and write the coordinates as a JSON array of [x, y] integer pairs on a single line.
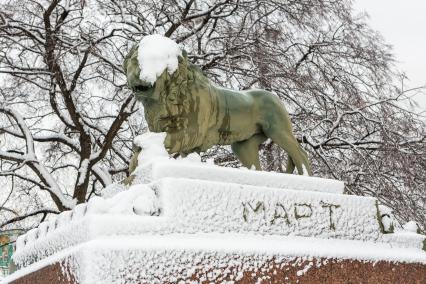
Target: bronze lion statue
[[196, 114]]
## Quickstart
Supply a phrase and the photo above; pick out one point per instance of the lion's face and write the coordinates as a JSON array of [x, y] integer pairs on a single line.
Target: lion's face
[[154, 107]]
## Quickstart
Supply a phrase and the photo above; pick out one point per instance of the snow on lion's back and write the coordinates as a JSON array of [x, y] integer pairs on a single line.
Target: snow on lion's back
[[157, 53]]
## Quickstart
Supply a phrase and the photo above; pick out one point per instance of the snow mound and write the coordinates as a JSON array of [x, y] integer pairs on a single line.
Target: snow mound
[[152, 145], [388, 220], [157, 53], [138, 199], [411, 226]]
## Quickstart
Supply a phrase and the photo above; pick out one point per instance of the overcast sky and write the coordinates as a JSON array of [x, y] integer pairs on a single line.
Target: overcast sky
[[403, 25]]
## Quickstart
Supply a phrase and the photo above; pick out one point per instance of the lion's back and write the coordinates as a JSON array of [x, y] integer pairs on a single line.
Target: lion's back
[[264, 99]]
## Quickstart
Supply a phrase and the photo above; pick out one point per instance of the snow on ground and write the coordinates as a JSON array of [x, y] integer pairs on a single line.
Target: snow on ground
[[157, 53]]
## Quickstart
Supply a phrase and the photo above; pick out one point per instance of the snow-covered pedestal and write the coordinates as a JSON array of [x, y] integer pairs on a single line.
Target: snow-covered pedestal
[[184, 221]]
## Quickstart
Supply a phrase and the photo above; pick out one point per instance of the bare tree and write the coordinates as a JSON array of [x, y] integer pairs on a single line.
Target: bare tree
[[70, 89], [334, 74]]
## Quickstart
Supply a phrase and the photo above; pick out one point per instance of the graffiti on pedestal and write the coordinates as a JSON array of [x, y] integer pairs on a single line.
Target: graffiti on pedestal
[[289, 213]]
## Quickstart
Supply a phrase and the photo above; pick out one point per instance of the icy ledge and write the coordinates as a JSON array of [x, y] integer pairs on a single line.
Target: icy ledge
[[132, 253], [188, 206], [154, 164]]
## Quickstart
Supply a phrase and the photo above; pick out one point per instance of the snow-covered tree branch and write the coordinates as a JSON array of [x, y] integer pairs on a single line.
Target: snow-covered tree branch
[[60, 63]]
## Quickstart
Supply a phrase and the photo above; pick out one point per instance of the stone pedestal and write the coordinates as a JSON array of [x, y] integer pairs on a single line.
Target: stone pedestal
[[296, 270], [194, 222]]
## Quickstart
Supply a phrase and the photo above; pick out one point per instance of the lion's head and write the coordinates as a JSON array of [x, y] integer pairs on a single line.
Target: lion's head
[[179, 104]]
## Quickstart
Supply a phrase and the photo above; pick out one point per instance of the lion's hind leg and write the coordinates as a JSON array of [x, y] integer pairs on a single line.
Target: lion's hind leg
[[297, 157], [247, 151], [306, 160], [290, 166]]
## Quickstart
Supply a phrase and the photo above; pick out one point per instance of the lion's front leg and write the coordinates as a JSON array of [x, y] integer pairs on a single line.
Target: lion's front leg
[[247, 151], [133, 164], [173, 142]]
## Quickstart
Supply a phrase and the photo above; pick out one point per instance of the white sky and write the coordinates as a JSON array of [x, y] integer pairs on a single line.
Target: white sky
[[403, 25]]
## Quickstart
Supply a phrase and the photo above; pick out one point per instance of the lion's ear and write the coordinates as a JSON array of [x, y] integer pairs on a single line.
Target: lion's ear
[[184, 53], [183, 58], [125, 64], [180, 73], [128, 56]]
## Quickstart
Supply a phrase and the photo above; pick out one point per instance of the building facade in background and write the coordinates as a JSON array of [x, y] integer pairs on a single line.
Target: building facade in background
[[7, 247]]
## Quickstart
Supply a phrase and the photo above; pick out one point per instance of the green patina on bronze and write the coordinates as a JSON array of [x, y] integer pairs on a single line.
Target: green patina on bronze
[[196, 115]]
